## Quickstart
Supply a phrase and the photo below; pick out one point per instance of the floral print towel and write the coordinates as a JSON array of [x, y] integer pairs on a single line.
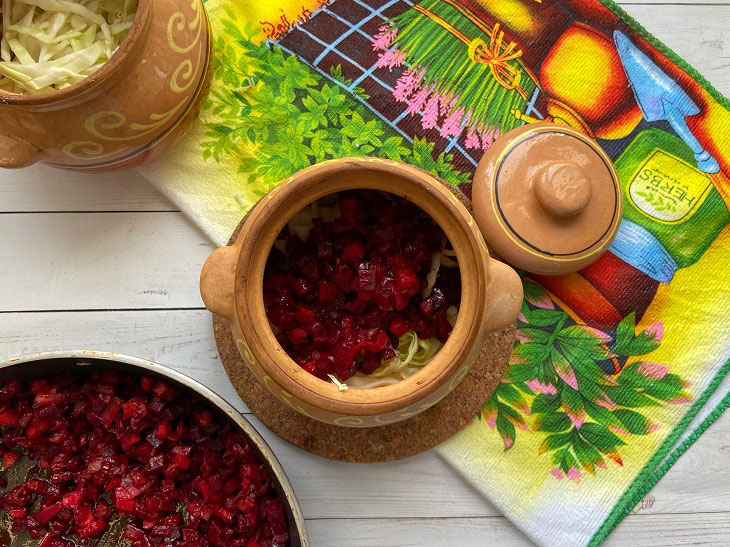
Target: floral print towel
[[616, 369]]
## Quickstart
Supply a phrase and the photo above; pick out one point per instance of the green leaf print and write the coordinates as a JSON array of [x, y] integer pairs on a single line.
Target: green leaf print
[[558, 383], [272, 115]]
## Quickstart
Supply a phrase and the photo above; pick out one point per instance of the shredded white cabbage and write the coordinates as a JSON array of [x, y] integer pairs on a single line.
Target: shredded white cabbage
[[413, 355], [48, 45], [336, 381]]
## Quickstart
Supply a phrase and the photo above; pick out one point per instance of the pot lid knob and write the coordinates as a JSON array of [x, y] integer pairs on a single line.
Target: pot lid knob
[[547, 198]]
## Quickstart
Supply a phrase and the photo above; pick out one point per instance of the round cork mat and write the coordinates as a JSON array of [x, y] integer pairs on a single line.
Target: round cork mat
[[377, 444]]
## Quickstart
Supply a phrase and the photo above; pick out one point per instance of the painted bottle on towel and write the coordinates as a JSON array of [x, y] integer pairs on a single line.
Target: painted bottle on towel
[[672, 211]]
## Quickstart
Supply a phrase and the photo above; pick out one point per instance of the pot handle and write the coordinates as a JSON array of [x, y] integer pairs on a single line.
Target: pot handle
[[16, 152], [506, 286], [217, 282]]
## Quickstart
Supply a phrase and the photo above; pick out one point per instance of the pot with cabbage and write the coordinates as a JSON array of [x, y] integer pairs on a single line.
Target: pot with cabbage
[[360, 291], [98, 84]]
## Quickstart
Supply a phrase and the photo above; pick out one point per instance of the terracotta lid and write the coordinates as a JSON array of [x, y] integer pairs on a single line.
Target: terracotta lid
[[547, 198]]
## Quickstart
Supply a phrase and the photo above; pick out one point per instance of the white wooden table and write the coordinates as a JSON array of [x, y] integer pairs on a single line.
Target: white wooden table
[[105, 262]]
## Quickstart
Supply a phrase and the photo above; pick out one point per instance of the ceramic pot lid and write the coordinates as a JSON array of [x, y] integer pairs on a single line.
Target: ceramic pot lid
[[547, 198]]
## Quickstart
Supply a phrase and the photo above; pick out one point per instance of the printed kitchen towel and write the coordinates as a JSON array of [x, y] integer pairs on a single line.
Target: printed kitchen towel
[[616, 369]]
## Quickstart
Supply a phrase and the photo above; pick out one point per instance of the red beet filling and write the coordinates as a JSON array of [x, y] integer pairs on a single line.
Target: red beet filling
[[341, 292], [110, 446]]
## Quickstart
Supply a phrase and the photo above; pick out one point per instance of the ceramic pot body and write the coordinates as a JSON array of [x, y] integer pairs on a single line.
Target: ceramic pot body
[[232, 286], [127, 112]]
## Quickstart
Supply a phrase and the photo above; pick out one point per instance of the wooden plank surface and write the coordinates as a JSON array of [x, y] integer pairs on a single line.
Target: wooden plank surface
[[73, 246], [76, 261], [635, 531], [42, 188]]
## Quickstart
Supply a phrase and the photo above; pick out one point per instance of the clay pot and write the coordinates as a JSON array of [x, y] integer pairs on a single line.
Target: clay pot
[[231, 284], [547, 198], [127, 112]]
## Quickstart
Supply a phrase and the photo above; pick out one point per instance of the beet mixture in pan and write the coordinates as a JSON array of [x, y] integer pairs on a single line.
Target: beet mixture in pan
[[110, 447], [351, 275]]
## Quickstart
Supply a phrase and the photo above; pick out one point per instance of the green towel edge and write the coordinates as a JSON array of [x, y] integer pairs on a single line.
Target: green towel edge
[[650, 474], [666, 51]]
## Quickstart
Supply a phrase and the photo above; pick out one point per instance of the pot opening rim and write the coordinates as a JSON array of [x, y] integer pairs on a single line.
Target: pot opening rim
[[428, 194]]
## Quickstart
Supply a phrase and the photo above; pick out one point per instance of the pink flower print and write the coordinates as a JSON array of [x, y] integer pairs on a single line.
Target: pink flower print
[[598, 334], [385, 37], [520, 316], [652, 428], [605, 402], [680, 400], [447, 105], [520, 425], [617, 430], [652, 371], [574, 475], [406, 85], [418, 100], [557, 473], [656, 331], [534, 385], [472, 142], [452, 124], [521, 337], [488, 139], [391, 58], [490, 416], [576, 417], [508, 443], [601, 464], [516, 360], [538, 387], [431, 112]]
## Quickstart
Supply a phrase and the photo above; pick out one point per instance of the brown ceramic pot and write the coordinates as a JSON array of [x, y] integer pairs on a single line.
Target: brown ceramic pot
[[547, 198], [232, 286], [127, 112]]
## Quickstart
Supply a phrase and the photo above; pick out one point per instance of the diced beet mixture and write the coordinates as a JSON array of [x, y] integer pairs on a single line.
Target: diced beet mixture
[[111, 446], [340, 300]]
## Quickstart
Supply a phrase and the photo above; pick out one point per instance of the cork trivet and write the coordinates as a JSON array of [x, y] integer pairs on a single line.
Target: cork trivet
[[378, 444]]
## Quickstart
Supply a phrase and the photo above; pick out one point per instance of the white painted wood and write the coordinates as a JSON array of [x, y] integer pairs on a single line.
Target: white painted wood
[[152, 260], [417, 487], [660, 530], [100, 261], [697, 33], [182, 339], [699, 481], [43, 188], [636, 531], [462, 532]]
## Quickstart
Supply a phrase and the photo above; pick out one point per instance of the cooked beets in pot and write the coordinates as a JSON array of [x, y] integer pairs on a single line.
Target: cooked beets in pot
[[351, 275], [109, 448]]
